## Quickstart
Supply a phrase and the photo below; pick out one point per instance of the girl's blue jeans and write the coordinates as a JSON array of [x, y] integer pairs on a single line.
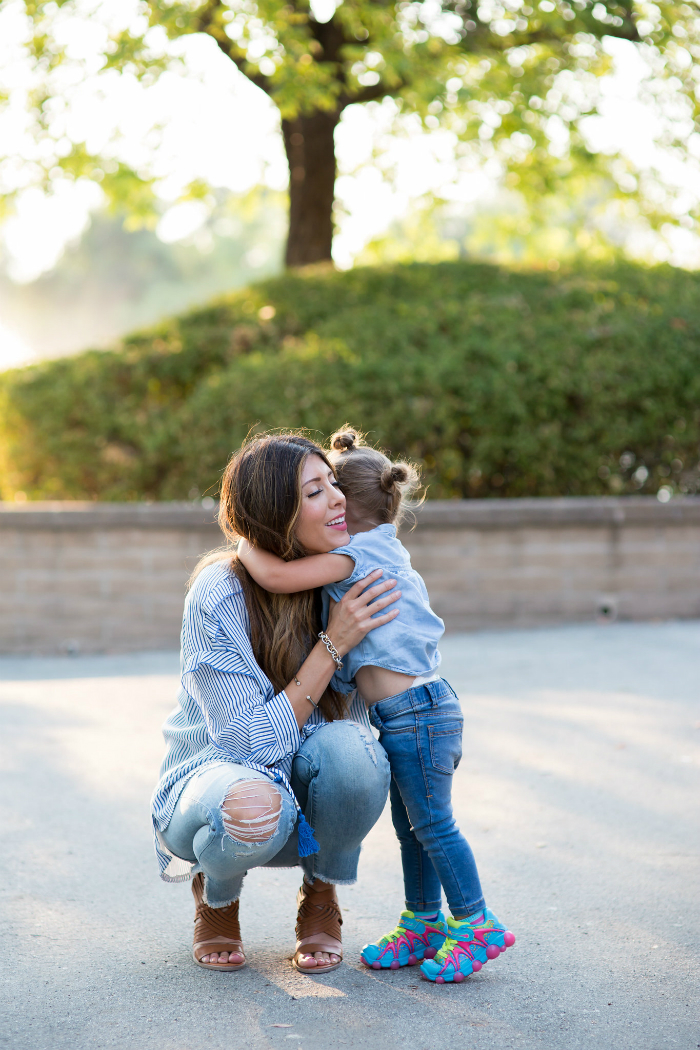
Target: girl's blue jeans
[[340, 776], [421, 732]]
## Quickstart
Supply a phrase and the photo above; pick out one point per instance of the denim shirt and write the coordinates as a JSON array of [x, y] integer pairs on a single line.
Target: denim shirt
[[409, 642]]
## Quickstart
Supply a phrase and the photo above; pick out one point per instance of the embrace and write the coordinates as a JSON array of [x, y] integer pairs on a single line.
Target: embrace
[[293, 647]]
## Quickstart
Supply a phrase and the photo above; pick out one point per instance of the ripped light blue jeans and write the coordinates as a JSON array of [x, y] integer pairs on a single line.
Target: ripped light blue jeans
[[340, 776]]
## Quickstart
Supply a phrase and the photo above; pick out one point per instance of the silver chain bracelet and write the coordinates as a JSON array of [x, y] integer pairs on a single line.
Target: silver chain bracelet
[[331, 648]]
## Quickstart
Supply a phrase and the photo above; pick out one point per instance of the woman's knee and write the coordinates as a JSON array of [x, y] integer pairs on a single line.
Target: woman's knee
[[347, 765], [251, 811], [348, 749], [255, 818]]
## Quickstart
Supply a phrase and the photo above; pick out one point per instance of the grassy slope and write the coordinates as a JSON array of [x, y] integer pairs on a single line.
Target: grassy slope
[[497, 382]]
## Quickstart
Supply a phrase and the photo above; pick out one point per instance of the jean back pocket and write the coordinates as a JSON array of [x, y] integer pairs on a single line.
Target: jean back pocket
[[446, 745]]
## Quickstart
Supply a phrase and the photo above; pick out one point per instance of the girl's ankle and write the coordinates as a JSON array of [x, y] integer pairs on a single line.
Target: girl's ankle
[[475, 918]]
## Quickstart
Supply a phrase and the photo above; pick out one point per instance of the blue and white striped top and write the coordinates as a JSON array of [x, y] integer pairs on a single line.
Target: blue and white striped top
[[227, 709]]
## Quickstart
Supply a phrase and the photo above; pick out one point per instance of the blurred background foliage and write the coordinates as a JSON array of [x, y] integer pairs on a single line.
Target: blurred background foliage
[[581, 223], [114, 279], [497, 381], [505, 344], [515, 84]]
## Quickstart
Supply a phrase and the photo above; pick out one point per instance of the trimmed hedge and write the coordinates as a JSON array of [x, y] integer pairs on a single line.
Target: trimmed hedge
[[498, 382]]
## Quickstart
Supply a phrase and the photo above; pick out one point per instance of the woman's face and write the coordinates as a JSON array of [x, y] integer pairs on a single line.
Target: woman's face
[[321, 523]]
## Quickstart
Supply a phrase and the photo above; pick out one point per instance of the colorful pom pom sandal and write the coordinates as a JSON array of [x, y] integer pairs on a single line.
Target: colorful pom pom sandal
[[468, 946], [413, 939]]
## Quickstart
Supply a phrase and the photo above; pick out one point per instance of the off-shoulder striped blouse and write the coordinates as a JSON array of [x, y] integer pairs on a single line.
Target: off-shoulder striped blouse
[[227, 709]]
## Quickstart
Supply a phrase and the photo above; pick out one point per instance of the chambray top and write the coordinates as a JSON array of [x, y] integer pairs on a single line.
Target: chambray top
[[409, 642], [227, 709]]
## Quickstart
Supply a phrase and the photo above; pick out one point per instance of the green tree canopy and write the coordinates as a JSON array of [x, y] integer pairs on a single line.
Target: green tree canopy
[[514, 73]]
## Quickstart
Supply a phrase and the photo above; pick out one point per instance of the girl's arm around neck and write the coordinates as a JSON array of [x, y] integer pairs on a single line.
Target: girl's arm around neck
[[288, 577]]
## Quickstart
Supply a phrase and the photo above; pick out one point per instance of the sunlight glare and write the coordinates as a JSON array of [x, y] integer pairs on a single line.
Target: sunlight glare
[[13, 350], [182, 220], [323, 10]]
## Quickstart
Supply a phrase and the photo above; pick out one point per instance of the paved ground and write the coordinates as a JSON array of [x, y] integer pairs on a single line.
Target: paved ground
[[578, 790]]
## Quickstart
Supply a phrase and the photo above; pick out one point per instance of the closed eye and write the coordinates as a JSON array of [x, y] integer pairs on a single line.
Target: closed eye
[[333, 480]]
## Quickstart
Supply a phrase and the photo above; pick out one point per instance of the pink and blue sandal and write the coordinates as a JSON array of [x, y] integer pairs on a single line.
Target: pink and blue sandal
[[413, 939], [468, 946]]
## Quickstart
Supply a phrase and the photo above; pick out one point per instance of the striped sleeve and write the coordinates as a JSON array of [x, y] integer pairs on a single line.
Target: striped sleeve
[[243, 715], [238, 718]]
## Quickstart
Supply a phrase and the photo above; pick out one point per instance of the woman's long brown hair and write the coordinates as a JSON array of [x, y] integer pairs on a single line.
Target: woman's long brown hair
[[261, 501]]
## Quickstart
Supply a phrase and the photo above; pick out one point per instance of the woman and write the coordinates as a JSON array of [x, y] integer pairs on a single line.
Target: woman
[[258, 738]]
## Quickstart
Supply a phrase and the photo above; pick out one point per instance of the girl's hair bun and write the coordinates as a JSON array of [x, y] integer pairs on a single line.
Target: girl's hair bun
[[400, 473], [386, 479], [345, 440], [397, 474]]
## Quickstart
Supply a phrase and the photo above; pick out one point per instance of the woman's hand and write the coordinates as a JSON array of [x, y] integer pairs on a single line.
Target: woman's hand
[[354, 617], [348, 623]]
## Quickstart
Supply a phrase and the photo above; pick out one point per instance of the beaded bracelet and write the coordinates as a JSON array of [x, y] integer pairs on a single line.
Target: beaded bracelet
[[331, 648]]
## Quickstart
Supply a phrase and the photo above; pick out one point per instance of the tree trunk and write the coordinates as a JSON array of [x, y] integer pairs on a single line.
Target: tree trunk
[[308, 141]]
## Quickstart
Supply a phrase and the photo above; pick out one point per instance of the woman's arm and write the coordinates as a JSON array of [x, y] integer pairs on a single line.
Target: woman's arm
[[302, 574], [354, 616]]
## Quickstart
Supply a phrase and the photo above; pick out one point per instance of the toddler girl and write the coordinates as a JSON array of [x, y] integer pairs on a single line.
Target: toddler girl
[[416, 712]]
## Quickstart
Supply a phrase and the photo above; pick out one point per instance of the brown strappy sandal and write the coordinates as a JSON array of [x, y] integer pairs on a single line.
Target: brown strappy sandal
[[215, 930], [318, 926]]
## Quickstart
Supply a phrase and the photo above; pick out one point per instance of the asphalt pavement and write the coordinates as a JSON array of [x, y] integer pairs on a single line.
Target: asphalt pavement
[[579, 791]]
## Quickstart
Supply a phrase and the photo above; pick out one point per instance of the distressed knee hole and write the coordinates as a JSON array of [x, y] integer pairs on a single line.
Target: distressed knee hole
[[251, 811]]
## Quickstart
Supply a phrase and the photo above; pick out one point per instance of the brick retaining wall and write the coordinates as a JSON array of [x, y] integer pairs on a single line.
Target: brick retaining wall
[[86, 577]]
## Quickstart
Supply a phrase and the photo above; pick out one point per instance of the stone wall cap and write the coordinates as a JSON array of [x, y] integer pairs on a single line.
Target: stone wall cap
[[440, 514], [75, 514], [557, 511]]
